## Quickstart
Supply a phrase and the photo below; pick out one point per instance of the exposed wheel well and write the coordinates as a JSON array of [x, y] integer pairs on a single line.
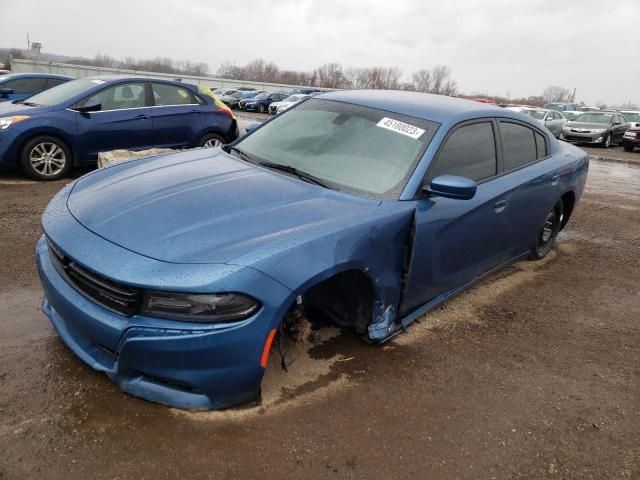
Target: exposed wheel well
[[346, 299], [568, 201], [24, 142]]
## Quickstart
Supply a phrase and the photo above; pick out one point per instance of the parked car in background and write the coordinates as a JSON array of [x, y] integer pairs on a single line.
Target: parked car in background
[[261, 102], [232, 98], [70, 124], [277, 107], [18, 86], [631, 138], [602, 128], [561, 106], [366, 208], [551, 119], [572, 114], [632, 116]]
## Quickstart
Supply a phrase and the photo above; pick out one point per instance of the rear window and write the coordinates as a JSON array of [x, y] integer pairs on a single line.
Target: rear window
[[518, 145]]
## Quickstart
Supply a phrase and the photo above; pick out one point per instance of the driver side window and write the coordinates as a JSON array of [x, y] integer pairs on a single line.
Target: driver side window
[[119, 97], [469, 152]]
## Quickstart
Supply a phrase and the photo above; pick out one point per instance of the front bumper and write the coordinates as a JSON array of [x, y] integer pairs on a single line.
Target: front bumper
[[580, 137], [8, 156], [631, 139], [184, 365]]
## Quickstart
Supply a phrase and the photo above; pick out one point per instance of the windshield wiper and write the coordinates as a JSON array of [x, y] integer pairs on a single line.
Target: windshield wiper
[[301, 174], [241, 153], [30, 104]]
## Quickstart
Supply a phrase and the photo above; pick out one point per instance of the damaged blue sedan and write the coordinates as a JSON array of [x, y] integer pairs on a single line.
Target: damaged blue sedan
[[172, 274]]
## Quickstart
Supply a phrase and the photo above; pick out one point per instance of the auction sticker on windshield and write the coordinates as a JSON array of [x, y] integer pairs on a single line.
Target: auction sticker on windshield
[[400, 127]]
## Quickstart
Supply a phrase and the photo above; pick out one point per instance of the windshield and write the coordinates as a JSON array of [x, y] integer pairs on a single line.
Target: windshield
[[261, 96], [603, 118], [632, 116], [360, 150], [293, 98], [537, 114], [65, 92]]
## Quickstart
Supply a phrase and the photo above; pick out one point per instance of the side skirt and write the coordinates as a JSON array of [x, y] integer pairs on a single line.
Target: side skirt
[[413, 316]]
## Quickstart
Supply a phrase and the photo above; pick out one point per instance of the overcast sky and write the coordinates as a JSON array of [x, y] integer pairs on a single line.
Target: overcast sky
[[492, 46]]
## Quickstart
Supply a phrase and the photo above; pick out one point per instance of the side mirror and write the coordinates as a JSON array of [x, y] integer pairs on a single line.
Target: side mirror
[[252, 126], [452, 186], [89, 107], [6, 91]]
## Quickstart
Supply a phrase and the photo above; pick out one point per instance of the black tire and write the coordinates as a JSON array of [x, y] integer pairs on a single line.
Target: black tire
[[45, 158], [628, 148], [263, 109], [548, 233], [606, 143], [211, 140]]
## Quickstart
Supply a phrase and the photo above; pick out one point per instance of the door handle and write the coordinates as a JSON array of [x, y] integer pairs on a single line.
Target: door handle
[[555, 178], [196, 111], [500, 206], [141, 117]]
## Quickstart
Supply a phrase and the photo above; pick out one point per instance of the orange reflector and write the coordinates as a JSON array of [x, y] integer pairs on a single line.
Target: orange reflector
[[267, 348]]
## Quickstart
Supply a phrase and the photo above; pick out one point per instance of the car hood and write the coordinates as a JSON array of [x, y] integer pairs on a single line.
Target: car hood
[[205, 206], [8, 108], [592, 126]]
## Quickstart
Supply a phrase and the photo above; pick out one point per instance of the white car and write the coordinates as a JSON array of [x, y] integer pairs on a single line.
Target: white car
[[553, 120], [632, 116], [277, 107]]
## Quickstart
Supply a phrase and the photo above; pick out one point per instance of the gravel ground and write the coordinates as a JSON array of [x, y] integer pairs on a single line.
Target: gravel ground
[[533, 373]]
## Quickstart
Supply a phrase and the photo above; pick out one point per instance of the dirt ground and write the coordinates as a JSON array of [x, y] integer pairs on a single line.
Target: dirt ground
[[533, 373]]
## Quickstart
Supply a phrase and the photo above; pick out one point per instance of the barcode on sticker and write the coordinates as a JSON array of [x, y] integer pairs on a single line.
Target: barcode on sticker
[[400, 127]]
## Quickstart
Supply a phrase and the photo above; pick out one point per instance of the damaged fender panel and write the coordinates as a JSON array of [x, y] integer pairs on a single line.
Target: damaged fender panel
[[374, 246]]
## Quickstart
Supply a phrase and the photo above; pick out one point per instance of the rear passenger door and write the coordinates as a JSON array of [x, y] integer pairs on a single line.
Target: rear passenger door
[[457, 240], [532, 181], [123, 121], [177, 114]]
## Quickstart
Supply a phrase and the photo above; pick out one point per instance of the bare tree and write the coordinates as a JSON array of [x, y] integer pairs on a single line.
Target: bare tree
[[422, 80], [555, 93]]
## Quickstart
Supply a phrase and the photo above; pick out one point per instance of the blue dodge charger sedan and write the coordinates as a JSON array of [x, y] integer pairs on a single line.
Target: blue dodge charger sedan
[[18, 86], [173, 274], [68, 125]]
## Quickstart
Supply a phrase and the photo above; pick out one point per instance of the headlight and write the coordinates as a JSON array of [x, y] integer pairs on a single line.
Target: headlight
[[6, 122], [202, 308], [599, 130]]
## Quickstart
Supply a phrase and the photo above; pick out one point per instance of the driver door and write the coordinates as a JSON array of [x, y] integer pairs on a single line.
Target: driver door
[[123, 121], [459, 240]]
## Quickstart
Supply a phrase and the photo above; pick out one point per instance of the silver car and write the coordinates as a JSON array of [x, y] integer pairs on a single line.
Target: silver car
[[553, 120]]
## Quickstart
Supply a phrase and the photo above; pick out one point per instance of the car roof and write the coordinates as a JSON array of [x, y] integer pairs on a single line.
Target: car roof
[[10, 76], [134, 78], [437, 108]]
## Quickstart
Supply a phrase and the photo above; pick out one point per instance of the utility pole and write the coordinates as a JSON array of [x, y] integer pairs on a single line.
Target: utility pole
[[28, 42]]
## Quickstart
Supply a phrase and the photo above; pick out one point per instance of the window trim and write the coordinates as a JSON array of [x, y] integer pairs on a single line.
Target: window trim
[[427, 176], [495, 123], [531, 127]]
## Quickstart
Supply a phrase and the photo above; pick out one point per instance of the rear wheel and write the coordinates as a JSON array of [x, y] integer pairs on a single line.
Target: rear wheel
[[45, 158], [211, 140], [548, 233]]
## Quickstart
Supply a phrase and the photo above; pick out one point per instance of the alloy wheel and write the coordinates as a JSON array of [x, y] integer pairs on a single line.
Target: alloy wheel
[[212, 142], [47, 158]]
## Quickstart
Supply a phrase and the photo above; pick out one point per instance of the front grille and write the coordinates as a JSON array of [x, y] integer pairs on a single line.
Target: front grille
[[573, 138], [118, 298]]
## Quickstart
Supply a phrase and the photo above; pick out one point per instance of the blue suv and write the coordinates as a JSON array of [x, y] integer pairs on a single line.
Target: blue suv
[[18, 86], [70, 124]]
